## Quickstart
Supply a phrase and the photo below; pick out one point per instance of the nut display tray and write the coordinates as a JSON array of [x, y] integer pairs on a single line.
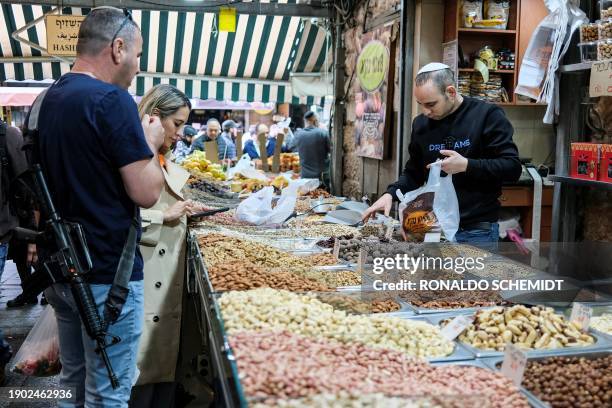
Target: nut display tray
[[601, 342], [458, 354], [496, 362]]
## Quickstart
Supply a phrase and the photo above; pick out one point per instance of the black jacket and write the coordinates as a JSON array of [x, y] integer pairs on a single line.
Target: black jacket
[[478, 131]]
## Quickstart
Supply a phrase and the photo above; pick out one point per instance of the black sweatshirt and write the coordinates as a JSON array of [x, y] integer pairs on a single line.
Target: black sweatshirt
[[478, 131]]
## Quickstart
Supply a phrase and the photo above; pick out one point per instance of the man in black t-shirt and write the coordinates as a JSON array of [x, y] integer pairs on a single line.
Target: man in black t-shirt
[[474, 139], [101, 164]]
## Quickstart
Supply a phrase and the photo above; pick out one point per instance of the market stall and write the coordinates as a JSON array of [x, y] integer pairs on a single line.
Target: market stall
[[292, 319]]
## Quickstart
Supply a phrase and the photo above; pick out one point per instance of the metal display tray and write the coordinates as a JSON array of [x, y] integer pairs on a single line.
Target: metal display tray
[[458, 354], [495, 365], [602, 343]]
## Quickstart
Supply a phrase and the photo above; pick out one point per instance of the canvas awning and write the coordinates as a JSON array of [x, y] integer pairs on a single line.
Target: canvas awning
[[185, 49]]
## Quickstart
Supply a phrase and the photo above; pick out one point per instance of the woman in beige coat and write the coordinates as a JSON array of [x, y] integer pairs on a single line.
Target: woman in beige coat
[[163, 246]]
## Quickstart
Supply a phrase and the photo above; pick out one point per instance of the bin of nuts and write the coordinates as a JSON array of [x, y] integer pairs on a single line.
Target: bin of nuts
[[531, 328], [589, 32], [605, 29], [582, 380], [606, 11], [604, 50]]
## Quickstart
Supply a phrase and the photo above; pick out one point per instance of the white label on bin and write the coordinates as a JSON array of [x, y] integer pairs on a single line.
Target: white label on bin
[[581, 314], [336, 250], [361, 261], [389, 232], [456, 326], [432, 237], [515, 361]]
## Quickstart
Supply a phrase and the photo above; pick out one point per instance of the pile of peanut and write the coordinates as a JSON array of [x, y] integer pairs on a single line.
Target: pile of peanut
[[322, 366], [238, 275], [270, 309], [526, 327], [333, 279], [363, 303]]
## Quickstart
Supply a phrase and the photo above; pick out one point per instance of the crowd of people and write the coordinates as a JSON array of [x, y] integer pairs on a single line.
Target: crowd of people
[[120, 180]]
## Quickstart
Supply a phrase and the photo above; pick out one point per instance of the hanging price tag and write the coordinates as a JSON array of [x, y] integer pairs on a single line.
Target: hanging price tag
[[336, 250], [456, 326], [227, 19], [581, 315], [514, 364]]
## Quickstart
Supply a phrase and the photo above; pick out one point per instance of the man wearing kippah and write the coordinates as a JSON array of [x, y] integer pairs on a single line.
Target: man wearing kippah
[[474, 139]]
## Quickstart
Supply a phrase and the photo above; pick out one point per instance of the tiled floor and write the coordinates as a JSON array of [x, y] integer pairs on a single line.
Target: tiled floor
[[15, 325]]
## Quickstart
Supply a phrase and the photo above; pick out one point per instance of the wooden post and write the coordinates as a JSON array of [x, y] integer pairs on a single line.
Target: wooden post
[[277, 151], [263, 154], [212, 151]]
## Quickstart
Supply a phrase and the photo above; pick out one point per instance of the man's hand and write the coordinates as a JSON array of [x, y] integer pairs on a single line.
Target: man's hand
[[453, 163], [32, 256], [384, 204], [154, 132]]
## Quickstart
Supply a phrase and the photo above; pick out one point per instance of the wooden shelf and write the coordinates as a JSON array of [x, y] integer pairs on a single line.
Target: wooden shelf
[[492, 71], [581, 182], [503, 103], [485, 31]]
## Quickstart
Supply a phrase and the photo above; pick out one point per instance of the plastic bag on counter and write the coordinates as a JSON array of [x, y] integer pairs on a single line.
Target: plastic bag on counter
[[431, 208], [39, 353], [257, 209], [246, 168], [305, 185]]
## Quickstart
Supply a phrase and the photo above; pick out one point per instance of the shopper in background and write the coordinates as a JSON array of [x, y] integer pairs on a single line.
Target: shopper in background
[[225, 142], [475, 140], [213, 128], [12, 164], [251, 147], [289, 139], [100, 163], [163, 246], [313, 145], [183, 145]]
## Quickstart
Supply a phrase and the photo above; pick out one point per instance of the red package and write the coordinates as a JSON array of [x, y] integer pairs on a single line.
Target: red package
[[605, 163], [585, 161]]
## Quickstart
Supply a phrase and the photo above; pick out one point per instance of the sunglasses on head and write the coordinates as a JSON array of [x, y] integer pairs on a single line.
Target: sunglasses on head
[[128, 16], [126, 13]]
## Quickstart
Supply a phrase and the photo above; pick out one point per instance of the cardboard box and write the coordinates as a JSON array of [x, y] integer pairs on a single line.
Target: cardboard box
[[585, 161], [605, 163]]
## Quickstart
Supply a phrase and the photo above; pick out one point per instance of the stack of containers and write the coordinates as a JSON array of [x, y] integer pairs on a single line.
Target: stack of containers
[[596, 38]]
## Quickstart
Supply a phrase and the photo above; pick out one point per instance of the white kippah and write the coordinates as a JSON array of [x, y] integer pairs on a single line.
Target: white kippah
[[433, 66]]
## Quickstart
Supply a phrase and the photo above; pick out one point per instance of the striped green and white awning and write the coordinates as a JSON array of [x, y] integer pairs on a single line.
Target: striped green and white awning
[[185, 49]]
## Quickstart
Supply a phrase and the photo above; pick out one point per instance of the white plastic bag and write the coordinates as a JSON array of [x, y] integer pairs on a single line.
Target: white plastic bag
[[305, 185], [431, 208], [246, 168], [39, 353], [257, 209]]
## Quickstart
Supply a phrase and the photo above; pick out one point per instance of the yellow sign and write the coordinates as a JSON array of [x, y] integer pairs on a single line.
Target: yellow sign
[[62, 34], [227, 19], [601, 79]]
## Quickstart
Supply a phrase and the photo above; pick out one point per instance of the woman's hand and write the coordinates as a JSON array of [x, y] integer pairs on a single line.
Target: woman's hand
[[177, 210]]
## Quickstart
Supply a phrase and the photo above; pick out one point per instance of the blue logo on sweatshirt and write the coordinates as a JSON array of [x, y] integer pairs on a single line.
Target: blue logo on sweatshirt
[[457, 145]]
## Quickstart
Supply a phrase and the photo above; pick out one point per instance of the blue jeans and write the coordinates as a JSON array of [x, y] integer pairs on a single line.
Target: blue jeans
[[5, 349], [82, 368], [3, 253], [483, 238]]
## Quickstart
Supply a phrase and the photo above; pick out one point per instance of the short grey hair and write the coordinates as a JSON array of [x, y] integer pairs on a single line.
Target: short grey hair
[[212, 120], [442, 79], [99, 27]]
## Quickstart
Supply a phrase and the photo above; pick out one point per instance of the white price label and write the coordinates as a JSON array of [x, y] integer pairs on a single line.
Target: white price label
[[515, 361], [336, 250], [389, 232], [581, 314], [432, 237], [361, 261], [456, 326]]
